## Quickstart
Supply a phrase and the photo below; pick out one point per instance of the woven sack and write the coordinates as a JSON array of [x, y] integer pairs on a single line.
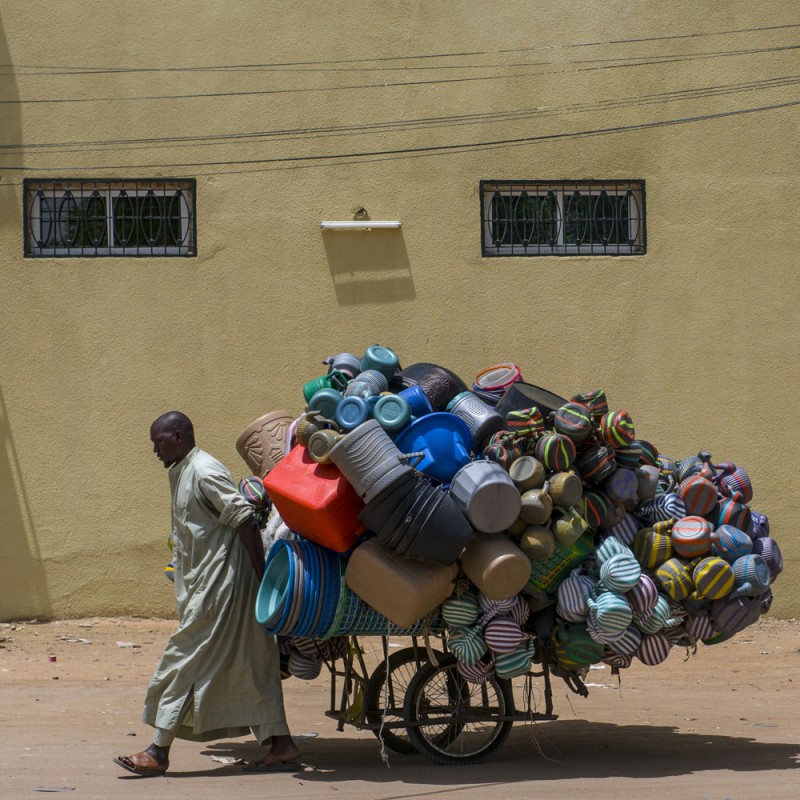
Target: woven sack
[[468, 646], [502, 635], [610, 546], [574, 647]]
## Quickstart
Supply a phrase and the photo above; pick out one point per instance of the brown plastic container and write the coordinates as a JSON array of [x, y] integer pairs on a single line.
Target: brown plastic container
[[262, 444], [402, 590], [495, 565]]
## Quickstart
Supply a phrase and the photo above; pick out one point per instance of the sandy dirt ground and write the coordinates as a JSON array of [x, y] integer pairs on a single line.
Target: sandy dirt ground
[[722, 723]]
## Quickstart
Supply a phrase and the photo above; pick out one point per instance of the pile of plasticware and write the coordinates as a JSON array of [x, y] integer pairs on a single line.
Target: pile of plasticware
[[528, 526]]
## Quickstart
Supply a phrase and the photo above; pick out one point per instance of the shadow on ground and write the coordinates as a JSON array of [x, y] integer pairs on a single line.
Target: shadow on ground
[[555, 751]]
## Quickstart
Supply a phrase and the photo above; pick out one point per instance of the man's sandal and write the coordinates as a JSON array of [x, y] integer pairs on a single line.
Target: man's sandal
[[142, 764]]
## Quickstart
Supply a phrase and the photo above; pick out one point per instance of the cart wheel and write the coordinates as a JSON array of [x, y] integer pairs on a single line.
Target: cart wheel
[[403, 666], [452, 721]]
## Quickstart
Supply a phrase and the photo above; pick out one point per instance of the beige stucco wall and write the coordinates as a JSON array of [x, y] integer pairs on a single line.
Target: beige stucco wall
[[698, 338]]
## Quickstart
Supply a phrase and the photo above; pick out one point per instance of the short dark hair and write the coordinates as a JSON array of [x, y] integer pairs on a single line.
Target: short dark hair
[[176, 421]]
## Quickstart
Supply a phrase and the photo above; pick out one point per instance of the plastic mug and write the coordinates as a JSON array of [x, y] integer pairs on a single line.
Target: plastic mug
[[333, 380], [348, 363], [392, 411], [380, 358], [417, 400], [352, 412], [321, 443], [359, 388], [325, 401], [568, 526]]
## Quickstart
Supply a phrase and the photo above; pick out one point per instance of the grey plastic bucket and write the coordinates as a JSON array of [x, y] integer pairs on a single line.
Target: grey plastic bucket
[[486, 495]]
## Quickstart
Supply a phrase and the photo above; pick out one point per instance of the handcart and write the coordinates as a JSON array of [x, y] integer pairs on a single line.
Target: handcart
[[416, 701]]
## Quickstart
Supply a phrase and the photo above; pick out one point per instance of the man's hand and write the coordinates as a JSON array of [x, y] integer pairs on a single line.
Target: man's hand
[[251, 539]]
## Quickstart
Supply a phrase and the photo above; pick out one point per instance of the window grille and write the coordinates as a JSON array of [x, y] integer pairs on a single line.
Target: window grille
[[559, 218], [87, 218]]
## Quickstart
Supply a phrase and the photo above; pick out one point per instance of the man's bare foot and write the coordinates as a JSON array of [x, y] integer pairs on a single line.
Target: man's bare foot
[[281, 757]]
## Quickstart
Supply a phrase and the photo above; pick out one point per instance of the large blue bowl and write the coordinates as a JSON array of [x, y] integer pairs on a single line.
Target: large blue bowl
[[443, 438]]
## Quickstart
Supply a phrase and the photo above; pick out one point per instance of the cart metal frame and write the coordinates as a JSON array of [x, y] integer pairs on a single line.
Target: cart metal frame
[[353, 675]]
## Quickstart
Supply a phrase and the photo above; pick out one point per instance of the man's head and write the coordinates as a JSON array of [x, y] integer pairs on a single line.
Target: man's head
[[172, 435]]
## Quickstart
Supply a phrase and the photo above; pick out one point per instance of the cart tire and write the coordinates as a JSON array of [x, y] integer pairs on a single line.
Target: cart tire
[[452, 721], [403, 666]]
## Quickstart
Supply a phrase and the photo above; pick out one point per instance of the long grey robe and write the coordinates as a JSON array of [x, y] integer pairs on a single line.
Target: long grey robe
[[219, 676]]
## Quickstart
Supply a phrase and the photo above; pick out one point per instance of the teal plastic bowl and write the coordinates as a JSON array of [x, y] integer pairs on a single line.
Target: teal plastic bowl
[[272, 601]]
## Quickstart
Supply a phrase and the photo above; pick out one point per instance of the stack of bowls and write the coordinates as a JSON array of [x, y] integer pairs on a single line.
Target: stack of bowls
[[416, 519], [491, 383], [369, 460], [301, 586]]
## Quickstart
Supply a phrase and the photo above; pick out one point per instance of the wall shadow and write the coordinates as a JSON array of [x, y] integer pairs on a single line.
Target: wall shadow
[[369, 266], [22, 575], [10, 133]]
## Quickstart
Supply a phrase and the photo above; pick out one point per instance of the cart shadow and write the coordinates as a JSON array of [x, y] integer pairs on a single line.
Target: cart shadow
[[550, 751]]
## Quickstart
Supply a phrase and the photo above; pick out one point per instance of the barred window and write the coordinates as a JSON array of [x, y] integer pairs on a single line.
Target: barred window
[[558, 218], [87, 218]]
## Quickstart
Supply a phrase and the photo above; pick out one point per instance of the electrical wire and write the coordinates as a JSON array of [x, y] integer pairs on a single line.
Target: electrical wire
[[356, 156], [404, 125], [385, 85], [79, 70]]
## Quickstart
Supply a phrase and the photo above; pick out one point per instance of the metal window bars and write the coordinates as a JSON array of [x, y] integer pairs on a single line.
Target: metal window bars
[[544, 218], [89, 218]]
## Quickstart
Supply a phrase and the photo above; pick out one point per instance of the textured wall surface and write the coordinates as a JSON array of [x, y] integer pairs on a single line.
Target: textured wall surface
[[291, 113]]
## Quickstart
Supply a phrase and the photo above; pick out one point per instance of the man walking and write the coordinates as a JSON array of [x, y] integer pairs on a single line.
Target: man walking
[[219, 676]]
